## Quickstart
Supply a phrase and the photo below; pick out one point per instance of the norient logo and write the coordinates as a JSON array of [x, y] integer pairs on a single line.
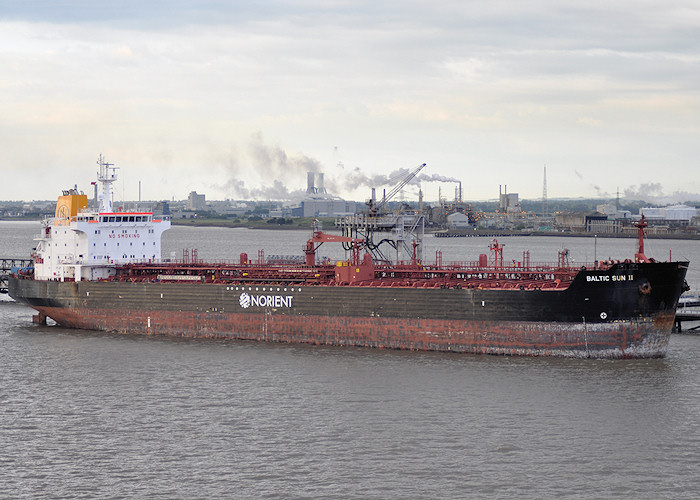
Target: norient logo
[[246, 300]]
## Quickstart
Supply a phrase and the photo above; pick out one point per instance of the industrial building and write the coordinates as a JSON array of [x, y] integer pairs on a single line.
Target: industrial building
[[196, 201], [318, 203], [675, 214], [508, 202], [457, 220]]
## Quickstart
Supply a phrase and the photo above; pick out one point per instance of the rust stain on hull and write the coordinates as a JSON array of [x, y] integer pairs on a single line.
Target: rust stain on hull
[[629, 339]]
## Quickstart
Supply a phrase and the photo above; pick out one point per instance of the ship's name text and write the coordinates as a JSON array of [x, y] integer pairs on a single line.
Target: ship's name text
[[616, 278]]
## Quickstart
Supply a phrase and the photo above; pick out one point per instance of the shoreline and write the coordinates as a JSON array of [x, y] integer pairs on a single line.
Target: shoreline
[[305, 225], [498, 234]]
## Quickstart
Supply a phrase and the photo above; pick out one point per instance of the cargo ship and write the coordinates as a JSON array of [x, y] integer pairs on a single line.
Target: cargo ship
[[100, 269]]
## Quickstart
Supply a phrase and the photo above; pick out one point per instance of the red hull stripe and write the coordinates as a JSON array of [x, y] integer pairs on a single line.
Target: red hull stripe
[[626, 340]]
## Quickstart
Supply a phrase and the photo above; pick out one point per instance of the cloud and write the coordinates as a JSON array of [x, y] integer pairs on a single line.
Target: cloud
[[586, 120], [503, 83]]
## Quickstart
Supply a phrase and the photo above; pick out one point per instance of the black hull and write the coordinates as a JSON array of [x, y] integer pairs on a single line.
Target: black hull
[[625, 311]]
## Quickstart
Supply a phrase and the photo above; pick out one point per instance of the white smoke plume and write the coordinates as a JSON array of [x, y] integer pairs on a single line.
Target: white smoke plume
[[279, 169], [644, 192], [276, 167], [357, 178]]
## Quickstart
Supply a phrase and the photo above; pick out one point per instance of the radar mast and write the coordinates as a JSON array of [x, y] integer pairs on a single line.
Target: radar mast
[[107, 175]]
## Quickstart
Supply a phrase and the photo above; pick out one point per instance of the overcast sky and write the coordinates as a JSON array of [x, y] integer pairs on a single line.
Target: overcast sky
[[240, 99]]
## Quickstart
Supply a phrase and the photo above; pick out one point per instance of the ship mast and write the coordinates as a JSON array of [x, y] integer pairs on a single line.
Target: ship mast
[[639, 256], [107, 175]]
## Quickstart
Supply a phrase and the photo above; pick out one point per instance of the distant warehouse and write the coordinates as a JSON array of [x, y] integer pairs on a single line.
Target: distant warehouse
[[324, 208], [678, 214]]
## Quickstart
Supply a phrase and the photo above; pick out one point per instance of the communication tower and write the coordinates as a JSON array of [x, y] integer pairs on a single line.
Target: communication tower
[[544, 193]]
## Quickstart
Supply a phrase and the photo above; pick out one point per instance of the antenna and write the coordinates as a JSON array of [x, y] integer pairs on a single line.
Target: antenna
[[544, 193], [107, 175]]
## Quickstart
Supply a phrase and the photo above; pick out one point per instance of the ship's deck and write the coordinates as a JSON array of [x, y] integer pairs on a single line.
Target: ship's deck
[[404, 275]]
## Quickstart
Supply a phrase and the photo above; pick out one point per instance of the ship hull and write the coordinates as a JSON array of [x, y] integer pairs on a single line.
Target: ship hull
[[624, 312]]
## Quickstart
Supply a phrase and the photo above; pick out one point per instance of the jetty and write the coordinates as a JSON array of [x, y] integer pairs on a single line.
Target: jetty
[[6, 266], [688, 310]]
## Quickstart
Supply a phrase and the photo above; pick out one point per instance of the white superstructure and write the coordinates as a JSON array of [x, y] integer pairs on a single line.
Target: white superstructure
[[86, 244]]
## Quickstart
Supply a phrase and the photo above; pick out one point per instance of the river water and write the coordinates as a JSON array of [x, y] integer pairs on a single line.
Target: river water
[[92, 415]]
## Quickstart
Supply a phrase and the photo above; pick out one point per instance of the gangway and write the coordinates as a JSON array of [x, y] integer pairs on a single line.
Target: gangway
[[6, 265]]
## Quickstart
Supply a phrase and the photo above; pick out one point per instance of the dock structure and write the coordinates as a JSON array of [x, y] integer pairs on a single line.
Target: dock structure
[[398, 233], [6, 265], [688, 310], [681, 316]]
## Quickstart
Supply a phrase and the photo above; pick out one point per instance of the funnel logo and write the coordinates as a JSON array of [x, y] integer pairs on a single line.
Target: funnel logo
[[244, 300]]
